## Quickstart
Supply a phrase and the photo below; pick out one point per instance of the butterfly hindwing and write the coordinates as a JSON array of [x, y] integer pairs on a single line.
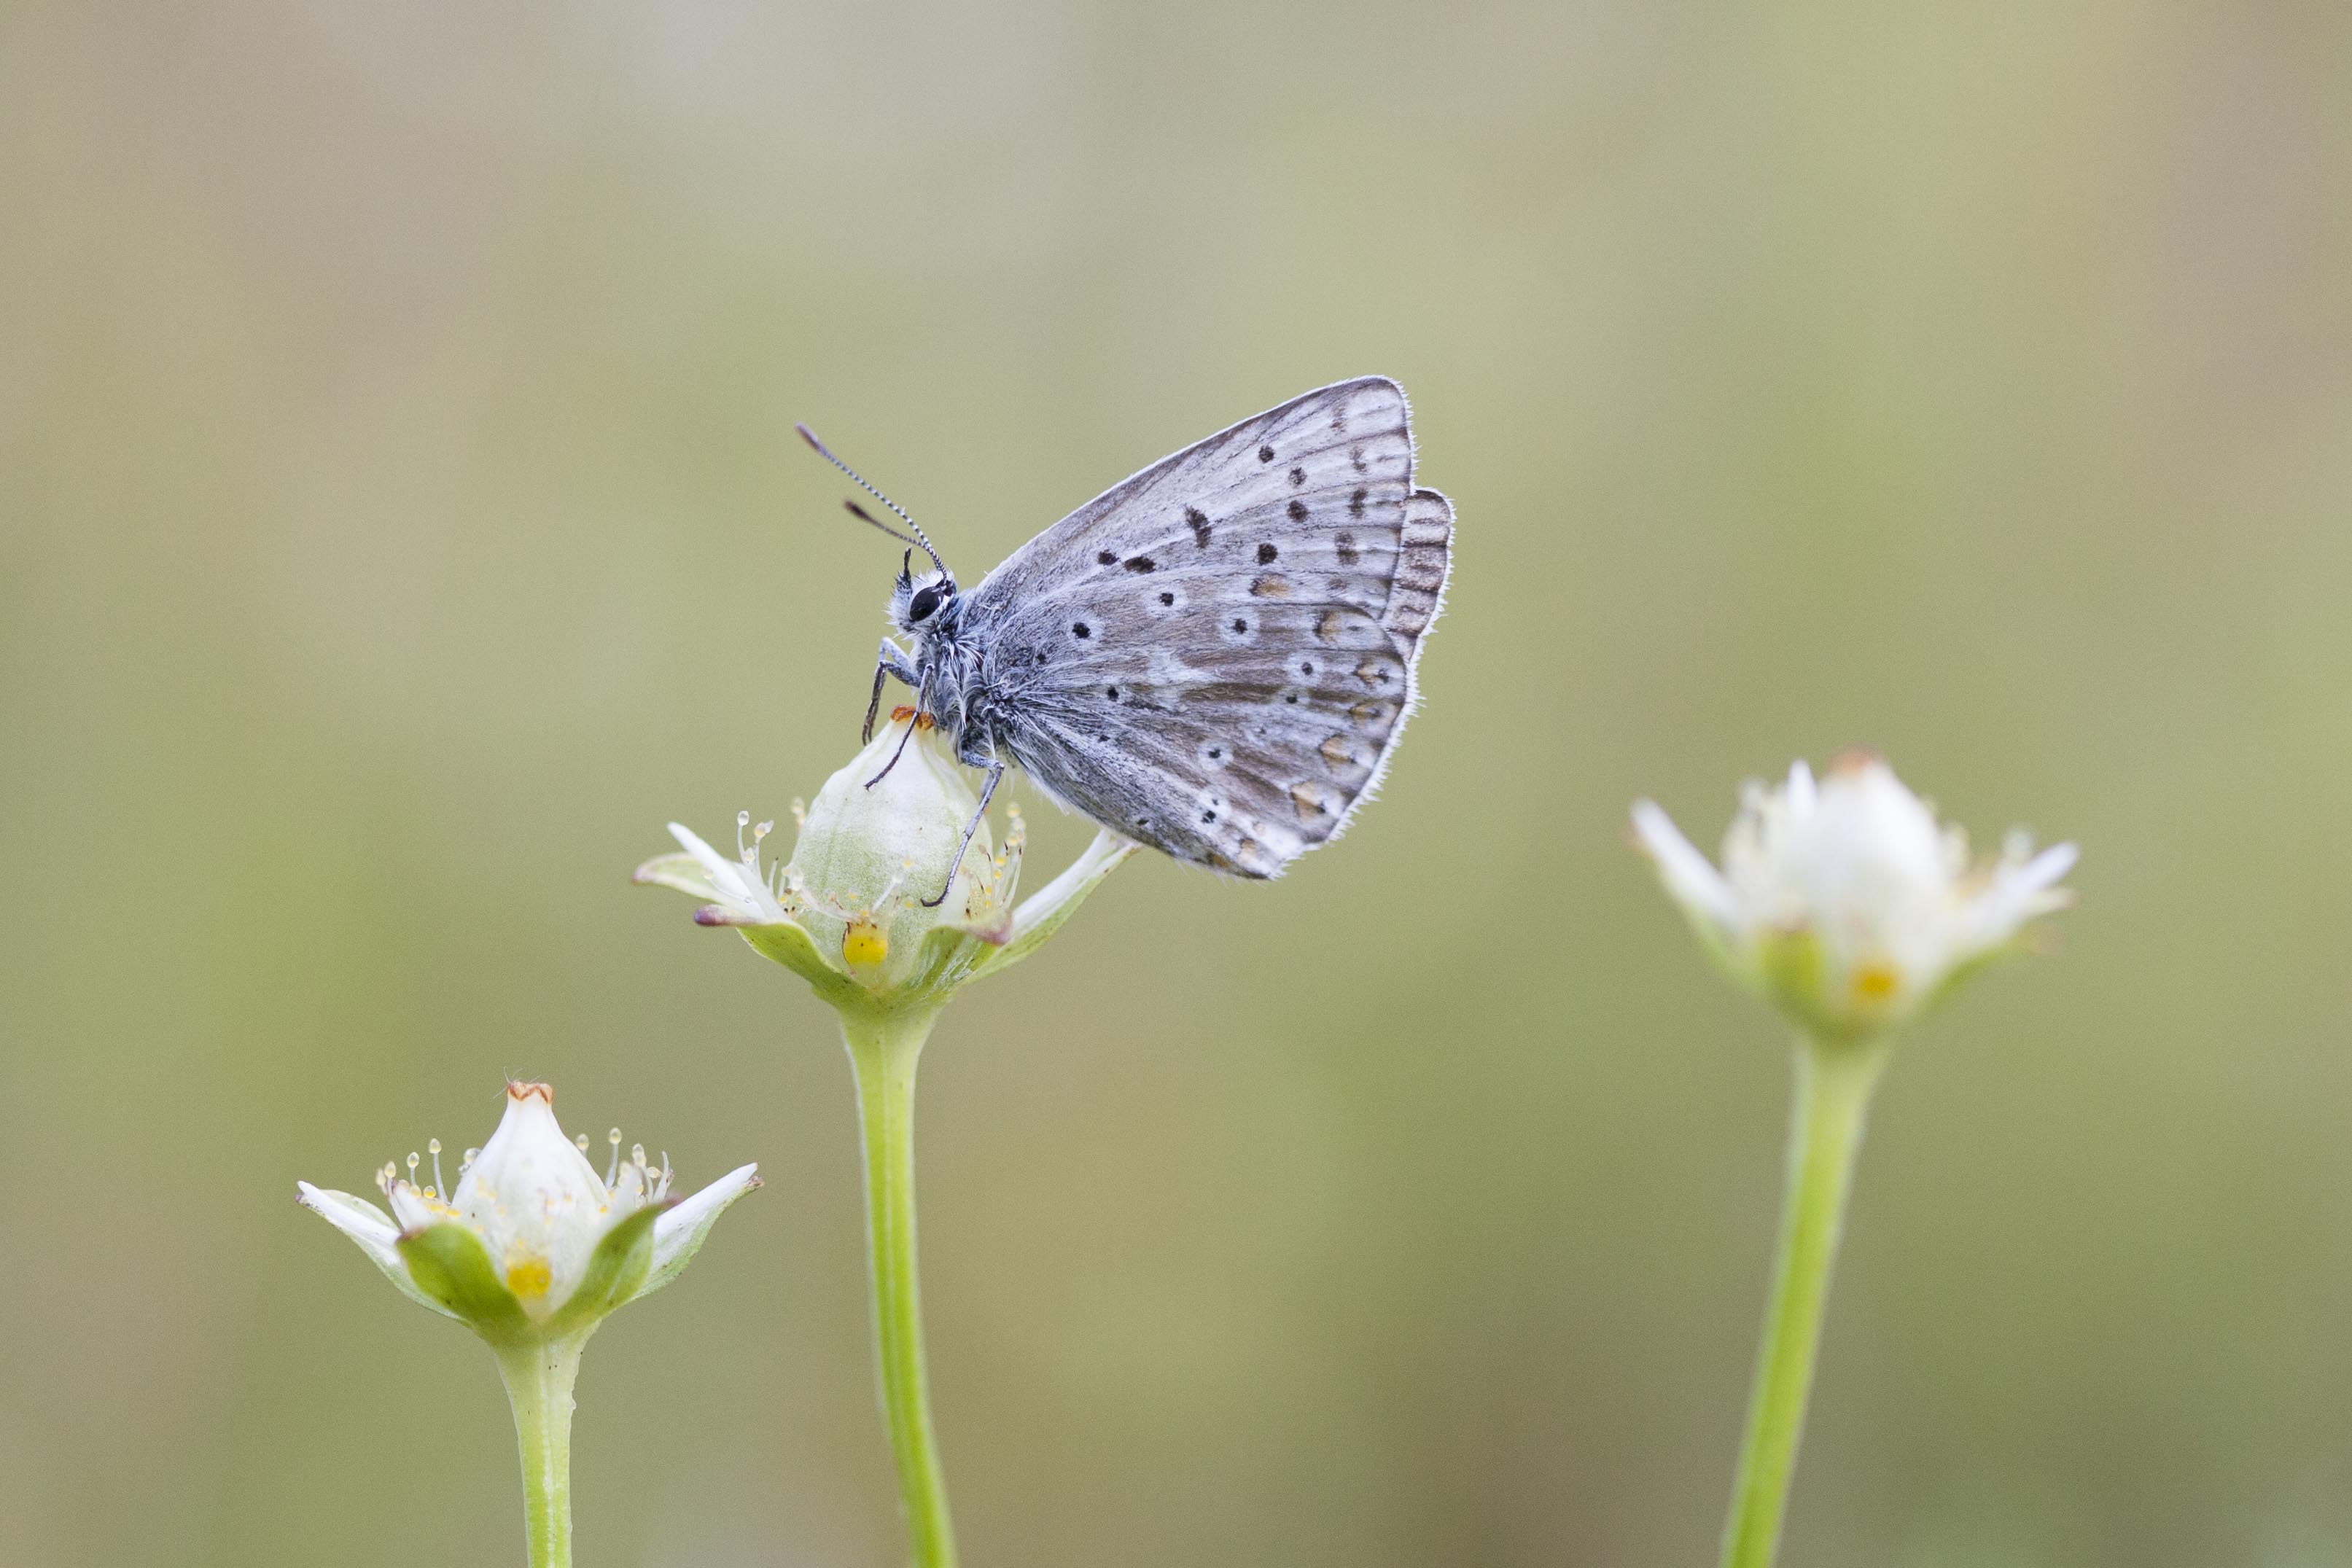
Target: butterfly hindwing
[[1215, 656]]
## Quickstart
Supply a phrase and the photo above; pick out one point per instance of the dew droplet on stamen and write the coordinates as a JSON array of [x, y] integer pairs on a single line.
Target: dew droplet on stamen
[[412, 1163], [582, 1142], [613, 1168], [433, 1147]]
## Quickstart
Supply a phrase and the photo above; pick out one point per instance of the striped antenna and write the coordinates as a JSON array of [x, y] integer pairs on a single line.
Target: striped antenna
[[920, 539]]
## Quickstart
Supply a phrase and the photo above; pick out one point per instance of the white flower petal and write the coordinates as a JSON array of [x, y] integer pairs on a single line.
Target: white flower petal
[[356, 1218], [726, 877], [538, 1205], [372, 1229], [1801, 796], [1689, 876], [681, 1229], [737, 886], [2044, 868], [683, 872]]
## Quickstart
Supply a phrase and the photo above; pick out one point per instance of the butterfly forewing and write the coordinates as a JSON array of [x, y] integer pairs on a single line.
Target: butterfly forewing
[[1216, 655]]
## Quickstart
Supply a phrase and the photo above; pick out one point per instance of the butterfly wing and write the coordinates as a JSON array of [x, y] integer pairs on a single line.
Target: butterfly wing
[[1216, 656]]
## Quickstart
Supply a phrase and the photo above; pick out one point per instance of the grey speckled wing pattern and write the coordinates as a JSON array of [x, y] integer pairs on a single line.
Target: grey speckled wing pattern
[[1216, 656]]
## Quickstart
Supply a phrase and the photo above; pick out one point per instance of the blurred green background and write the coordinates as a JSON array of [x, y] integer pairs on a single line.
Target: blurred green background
[[400, 520]]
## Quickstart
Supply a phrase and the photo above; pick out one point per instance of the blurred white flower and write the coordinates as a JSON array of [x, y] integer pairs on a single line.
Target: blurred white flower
[[848, 914], [532, 1243], [1844, 901]]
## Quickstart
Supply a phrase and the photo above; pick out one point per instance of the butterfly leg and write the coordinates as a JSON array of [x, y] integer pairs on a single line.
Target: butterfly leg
[[891, 662], [914, 721], [987, 790]]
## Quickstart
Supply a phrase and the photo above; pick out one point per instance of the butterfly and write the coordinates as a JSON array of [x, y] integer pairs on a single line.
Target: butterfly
[[1214, 657]]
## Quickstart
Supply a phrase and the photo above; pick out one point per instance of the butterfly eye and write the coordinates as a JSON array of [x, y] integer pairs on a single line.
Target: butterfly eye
[[923, 603]]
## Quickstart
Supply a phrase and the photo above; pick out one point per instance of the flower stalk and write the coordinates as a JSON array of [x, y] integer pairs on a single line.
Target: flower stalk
[[877, 913], [884, 1048], [539, 1378], [1848, 907], [1833, 1086]]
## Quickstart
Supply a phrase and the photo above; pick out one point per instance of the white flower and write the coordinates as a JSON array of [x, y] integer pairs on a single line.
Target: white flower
[[532, 1242], [849, 912], [1845, 903]]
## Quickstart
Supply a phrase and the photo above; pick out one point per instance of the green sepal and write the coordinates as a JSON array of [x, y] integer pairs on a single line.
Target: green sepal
[[1791, 973], [616, 1271], [787, 943], [1967, 970], [451, 1266]]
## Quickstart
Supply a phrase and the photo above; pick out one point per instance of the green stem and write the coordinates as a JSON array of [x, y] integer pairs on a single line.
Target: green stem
[[1833, 1086], [883, 1049], [539, 1386]]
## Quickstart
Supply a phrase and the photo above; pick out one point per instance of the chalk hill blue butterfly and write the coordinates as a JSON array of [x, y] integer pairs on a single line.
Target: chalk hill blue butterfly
[[1214, 657]]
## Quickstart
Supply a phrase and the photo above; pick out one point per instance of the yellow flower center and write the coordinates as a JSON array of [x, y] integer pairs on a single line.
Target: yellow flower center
[[529, 1278], [863, 944], [1877, 981]]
